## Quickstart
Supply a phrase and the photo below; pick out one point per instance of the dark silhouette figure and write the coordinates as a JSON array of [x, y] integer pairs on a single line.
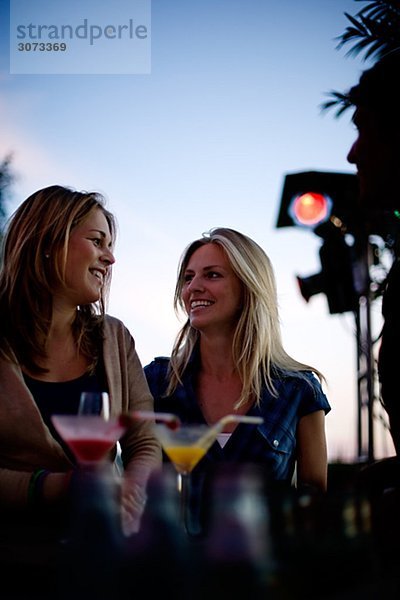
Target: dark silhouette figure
[[376, 154]]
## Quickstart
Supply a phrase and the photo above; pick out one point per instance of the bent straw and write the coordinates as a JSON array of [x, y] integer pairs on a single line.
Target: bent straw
[[211, 435], [171, 420]]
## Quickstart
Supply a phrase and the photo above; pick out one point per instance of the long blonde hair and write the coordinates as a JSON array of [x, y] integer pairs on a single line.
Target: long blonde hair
[[257, 348], [35, 248]]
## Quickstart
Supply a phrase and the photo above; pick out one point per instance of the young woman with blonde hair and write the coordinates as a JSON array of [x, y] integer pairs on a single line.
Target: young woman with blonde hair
[[229, 358]]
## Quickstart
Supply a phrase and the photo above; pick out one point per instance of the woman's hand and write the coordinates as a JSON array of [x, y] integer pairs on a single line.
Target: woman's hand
[[133, 502]]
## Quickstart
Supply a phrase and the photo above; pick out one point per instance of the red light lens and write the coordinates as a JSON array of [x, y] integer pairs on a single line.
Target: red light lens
[[310, 208]]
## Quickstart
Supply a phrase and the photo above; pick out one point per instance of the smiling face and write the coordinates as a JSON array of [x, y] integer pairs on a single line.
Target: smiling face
[[88, 259], [212, 292]]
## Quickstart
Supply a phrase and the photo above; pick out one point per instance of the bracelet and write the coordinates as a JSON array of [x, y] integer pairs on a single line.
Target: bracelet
[[36, 486]]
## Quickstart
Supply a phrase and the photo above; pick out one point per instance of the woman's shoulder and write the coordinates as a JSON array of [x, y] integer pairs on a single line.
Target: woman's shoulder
[[298, 382], [294, 377], [156, 373], [113, 322], [159, 364], [116, 333], [115, 326], [303, 387]]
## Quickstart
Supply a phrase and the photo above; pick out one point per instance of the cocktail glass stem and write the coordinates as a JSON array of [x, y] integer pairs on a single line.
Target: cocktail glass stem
[[190, 518], [184, 493]]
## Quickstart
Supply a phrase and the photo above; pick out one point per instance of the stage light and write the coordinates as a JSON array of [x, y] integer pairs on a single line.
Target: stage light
[[345, 227], [336, 278], [311, 197], [311, 285], [327, 204], [310, 209]]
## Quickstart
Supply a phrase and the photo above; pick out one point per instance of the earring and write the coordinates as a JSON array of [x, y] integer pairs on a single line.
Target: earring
[[47, 255]]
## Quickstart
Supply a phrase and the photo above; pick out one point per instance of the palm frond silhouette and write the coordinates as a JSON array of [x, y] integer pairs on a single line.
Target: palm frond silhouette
[[374, 31]]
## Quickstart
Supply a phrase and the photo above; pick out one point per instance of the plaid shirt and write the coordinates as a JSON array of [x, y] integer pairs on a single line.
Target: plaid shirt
[[271, 445]]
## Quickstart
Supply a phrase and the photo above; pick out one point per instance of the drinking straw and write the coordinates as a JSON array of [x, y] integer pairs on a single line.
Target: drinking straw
[[215, 429], [172, 421]]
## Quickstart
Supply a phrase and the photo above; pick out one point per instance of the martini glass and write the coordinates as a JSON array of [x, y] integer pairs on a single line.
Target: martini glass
[[91, 433], [95, 510], [186, 444]]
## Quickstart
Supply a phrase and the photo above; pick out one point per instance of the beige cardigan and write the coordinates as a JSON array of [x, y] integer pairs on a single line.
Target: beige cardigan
[[26, 442]]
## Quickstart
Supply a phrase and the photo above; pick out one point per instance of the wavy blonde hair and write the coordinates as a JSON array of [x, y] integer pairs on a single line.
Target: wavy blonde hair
[[257, 348], [34, 256]]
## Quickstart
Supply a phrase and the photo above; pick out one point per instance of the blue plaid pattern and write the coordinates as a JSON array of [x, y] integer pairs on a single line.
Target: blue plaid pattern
[[271, 445]]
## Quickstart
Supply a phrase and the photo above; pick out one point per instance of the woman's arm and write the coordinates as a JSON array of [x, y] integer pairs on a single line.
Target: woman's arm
[[312, 460]]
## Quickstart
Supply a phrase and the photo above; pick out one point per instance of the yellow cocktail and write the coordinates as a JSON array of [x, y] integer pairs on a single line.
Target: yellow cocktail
[[186, 444], [185, 458]]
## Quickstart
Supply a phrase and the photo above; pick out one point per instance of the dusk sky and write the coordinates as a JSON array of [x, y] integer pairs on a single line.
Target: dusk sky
[[230, 104]]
